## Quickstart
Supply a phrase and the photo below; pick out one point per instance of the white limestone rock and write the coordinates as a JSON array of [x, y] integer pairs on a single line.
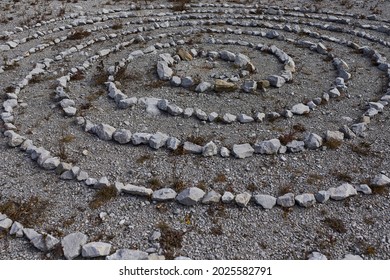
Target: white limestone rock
[[363, 188], [243, 118], [380, 180], [313, 141], [104, 131], [210, 149], [140, 138], [322, 196], [305, 200], [136, 190], [127, 254], [342, 192], [211, 197], [317, 256], [265, 201], [243, 150], [164, 194], [242, 199], [95, 249], [192, 148], [158, 140], [286, 200], [122, 136], [300, 109], [225, 153], [72, 244], [164, 71], [227, 197], [267, 147]]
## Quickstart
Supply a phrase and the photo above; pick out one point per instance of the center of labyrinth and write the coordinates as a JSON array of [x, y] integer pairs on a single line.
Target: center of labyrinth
[[195, 111]]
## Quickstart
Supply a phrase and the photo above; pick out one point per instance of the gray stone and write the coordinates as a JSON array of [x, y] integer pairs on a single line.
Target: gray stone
[[348, 133], [227, 56], [242, 118], [225, 152], [276, 81], [249, 86], [322, 196], [313, 141], [210, 149], [380, 180], [334, 136], [295, 146], [305, 200], [158, 140], [95, 249], [104, 131], [203, 87], [72, 243], [30, 233], [122, 136], [286, 200], [287, 114], [44, 242], [192, 148], [300, 109], [363, 188], [167, 58], [201, 115], [259, 117], [14, 139], [187, 82], [140, 138], [243, 150], [334, 92], [5, 224], [102, 182], [241, 60], [188, 112], [190, 196], [211, 197], [127, 254], [317, 256], [82, 176], [16, 229], [67, 103], [127, 102], [181, 258], [51, 163], [227, 197], [164, 194], [70, 111], [213, 116], [359, 128], [176, 81], [321, 49], [342, 192], [229, 118], [91, 182], [265, 201], [351, 257], [162, 104], [164, 71], [174, 110], [243, 199], [136, 190], [267, 147], [172, 143]]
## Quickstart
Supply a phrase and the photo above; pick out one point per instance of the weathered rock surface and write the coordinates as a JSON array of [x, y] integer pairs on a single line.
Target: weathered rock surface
[[190, 196]]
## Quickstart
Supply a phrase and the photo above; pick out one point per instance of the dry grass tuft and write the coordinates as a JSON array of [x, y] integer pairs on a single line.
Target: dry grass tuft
[[102, 196]]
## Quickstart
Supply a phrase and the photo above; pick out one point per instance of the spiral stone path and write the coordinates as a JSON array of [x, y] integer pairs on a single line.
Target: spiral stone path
[[155, 129]]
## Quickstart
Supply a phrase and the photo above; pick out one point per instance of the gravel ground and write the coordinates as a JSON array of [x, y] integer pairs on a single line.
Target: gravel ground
[[358, 225]]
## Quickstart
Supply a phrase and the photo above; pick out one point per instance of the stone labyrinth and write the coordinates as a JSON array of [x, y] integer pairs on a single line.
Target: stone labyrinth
[[91, 93]]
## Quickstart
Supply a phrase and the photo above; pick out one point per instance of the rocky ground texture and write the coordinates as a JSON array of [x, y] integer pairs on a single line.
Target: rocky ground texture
[[191, 130]]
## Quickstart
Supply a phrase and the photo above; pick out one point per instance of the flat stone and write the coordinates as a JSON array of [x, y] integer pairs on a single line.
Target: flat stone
[[322, 196], [348, 133], [242, 118], [200, 114], [190, 196], [351, 257], [158, 140], [5, 224], [359, 128], [95, 249], [210, 149], [104, 131], [127, 254], [286, 200], [241, 60], [211, 197], [295, 146], [224, 86], [174, 110], [229, 118], [164, 71], [224, 152], [313, 141], [300, 109], [172, 143], [342, 192], [227, 197], [305, 200], [363, 188], [267, 147], [72, 243], [243, 150], [184, 55], [136, 190], [122, 136], [192, 148], [265, 201], [51, 163], [249, 86], [380, 180], [227, 56], [243, 199], [140, 138], [164, 194], [127, 102], [203, 87]]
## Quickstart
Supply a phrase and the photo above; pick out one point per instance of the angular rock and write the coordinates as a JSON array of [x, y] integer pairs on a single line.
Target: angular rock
[[223, 86], [127, 254], [104, 131], [227, 56], [363, 188], [322, 196], [203, 87], [174, 110], [172, 143], [164, 194], [192, 148], [51, 163], [211, 197], [213, 117], [359, 128], [5, 224], [276, 81], [136, 190], [187, 82], [72, 243], [190, 196], [158, 140], [249, 86], [313, 141], [184, 55], [167, 58], [267, 147], [122, 136], [227, 197], [300, 109], [342, 192], [16, 229], [351, 257], [242, 118], [95, 249], [286, 200], [127, 102], [14, 139], [225, 152], [102, 183], [45, 242], [229, 118], [334, 136], [380, 180], [296, 146], [210, 149], [176, 81], [241, 60], [265, 201], [243, 199], [201, 115], [305, 200], [164, 71], [348, 133], [243, 150], [140, 138], [334, 92]]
